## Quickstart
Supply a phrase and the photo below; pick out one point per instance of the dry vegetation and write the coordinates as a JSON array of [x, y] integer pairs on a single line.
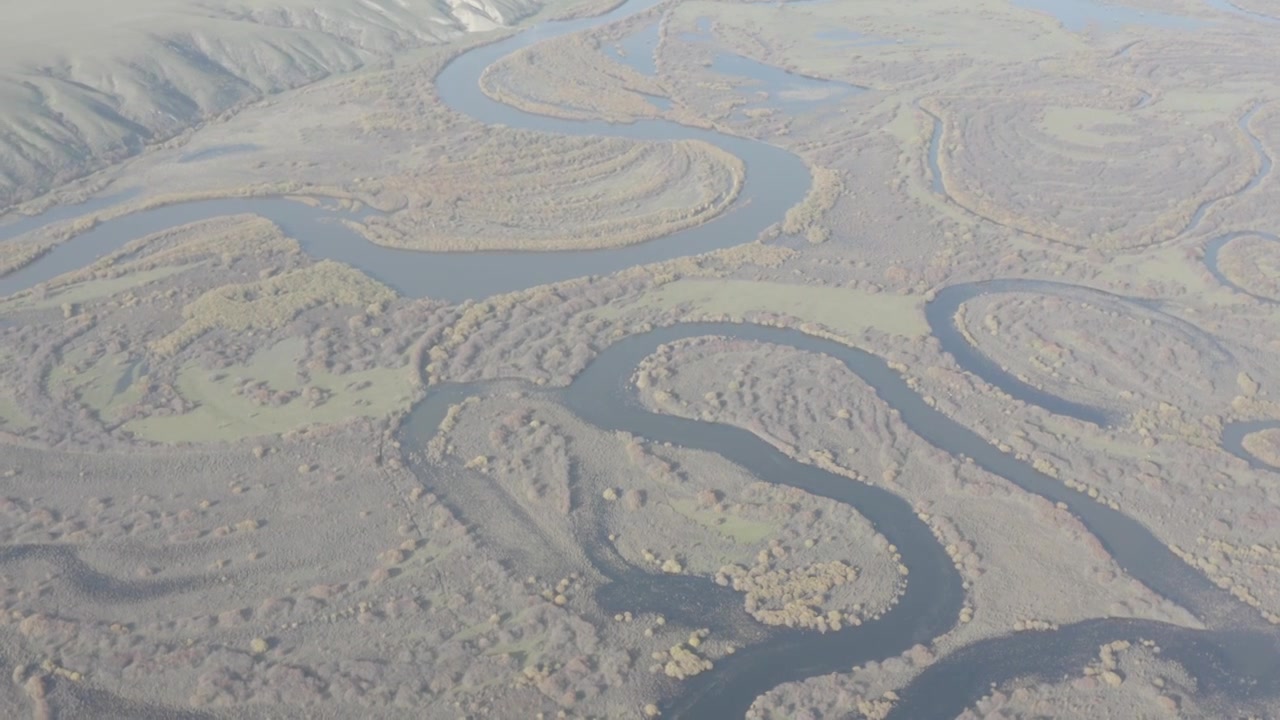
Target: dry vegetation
[[519, 191], [1264, 445], [1125, 681], [108, 86], [232, 588], [270, 304], [1164, 467], [326, 577], [1022, 164], [1084, 347], [1252, 264], [269, 342], [664, 510], [814, 409], [865, 693], [806, 218], [155, 257], [14, 256], [610, 508], [569, 77], [448, 183]]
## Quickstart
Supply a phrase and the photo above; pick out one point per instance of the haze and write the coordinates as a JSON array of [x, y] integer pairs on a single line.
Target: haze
[[638, 358]]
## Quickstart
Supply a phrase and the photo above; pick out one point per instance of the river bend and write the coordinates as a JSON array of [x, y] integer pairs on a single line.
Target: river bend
[[601, 395]]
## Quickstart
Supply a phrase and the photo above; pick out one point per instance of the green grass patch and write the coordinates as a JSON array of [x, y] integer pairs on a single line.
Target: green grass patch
[[221, 415], [740, 530], [12, 417], [107, 386], [271, 303], [94, 289], [844, 311]]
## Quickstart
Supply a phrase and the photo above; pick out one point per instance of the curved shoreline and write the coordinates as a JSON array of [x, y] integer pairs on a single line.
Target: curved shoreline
[[601, 396], [939, 186], [1233, 436], [1213, 249], [776, 180], [1241, 664], [940, 314]]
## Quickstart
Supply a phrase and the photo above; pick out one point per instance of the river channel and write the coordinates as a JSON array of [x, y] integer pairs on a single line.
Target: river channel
[[1225, 659]]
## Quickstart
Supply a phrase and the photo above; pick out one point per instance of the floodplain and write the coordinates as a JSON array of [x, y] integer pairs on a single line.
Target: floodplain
[[679, 359]]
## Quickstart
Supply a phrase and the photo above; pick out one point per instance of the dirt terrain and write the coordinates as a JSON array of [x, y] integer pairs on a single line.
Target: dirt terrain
[[241, 478]]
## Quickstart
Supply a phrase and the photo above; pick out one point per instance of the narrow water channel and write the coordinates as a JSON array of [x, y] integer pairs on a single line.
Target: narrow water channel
[[601, 395]]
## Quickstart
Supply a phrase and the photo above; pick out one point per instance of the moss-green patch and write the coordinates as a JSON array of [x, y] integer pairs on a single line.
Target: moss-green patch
[[12, 417], [1090, 127], [525, 652], [277, 365], [738, 529], [62, 374], [472, 631], [844, 311], [107, 385], [269, 304], [1206, 106], [111, 388], [221, 415], [93, 289]]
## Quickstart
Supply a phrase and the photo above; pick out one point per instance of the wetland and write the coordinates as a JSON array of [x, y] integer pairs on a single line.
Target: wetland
[[322, 359]]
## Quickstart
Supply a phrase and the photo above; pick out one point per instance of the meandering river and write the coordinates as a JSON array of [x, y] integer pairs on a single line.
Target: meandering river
[[1233, 657]]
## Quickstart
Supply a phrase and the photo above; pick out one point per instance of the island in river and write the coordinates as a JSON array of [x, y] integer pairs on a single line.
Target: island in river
[[680, 359]]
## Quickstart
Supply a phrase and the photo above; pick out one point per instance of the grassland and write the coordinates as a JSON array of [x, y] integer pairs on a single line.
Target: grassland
[[602, 88], [268, 304], [105, 384], [471, 586], [1004, 164], [1082, 348], [1252, 264], [12, 417], [846, 312], [76, 293], [741, 530], [518, 191], [229, 405]]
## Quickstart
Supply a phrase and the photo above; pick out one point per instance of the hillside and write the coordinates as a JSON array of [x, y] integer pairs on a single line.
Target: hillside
[[81, 88]]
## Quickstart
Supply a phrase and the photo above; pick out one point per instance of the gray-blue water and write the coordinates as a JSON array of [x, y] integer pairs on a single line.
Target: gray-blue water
[[12, 224], [637, 49], [1237, 660], [1213, 251], [1233, 435], [776, 180]]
